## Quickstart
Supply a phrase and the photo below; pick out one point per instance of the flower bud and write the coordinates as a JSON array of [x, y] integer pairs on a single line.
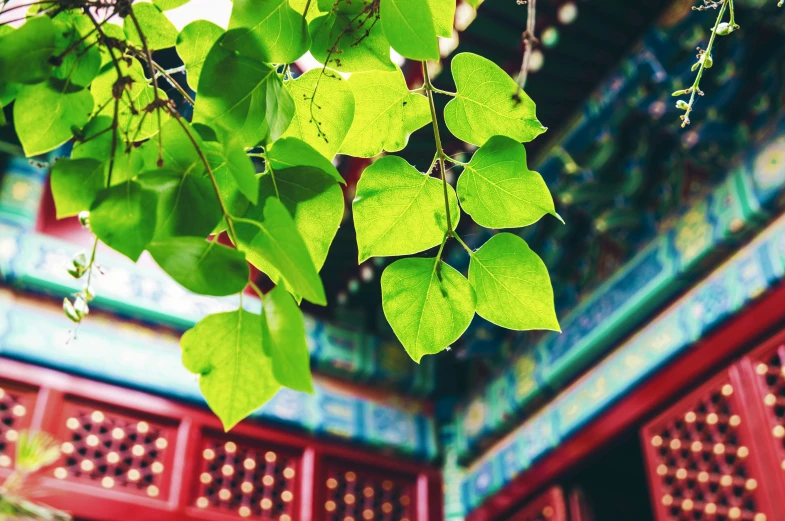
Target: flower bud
[[682, 105], [84, 219], [80, 260], [70, 312], [681, 92], [80, 306], [724, 29], [707, 61]]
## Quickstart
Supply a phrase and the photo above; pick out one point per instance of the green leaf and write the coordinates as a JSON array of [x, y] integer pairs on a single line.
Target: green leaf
[[235, 201], [187, 204], [399, 211], [385, 114], [193, 43], [25, 53], [350, 44], [268, 236], [75, 184], [159, 32], [134, 121], [267, 30], [323, 110], [236, 377], [488, 102], [315, 202], [443, 16], [76, 38], [512, 285], [428, 304], [239, 166], [206, 268], [313, 8], [350, 7], [291, 152], [46, 113], [499, 191], [243, 96], [409, 27], [97, 144], [123, 217], [165, 5], [284, 340], [178, 151], [8, 89], [3, 121]]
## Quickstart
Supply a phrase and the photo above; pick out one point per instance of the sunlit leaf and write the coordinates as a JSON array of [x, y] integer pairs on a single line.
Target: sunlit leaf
[[284, 340], [427, 303], [268, 236], [76, 43], [443, 16], [409, 27], [158, 31], [242, 96], [349, 43], [512, 285], [25, 53], [499, 191], [45, 115], [193, 43], [267, 30], [324, 108], [385, 114], [488, 102], [165, 5], [123, 217], [291, 152], [206, 268], [236, 376], [75, 184], [398, 210]]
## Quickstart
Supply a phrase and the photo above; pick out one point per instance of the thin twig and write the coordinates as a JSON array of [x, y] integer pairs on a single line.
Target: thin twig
[[529, 40]]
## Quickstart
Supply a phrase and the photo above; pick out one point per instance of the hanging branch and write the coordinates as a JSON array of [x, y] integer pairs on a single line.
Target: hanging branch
[[529, 41]]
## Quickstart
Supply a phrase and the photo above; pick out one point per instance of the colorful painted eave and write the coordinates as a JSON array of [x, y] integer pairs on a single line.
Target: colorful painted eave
[[35, 262], [705, 234], [130, 355]]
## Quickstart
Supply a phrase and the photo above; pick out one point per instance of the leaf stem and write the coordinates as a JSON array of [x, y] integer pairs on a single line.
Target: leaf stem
[[439, 151], [455, 161], [468, 250]]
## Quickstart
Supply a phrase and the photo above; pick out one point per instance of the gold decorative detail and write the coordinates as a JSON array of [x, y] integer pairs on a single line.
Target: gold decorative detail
[[134, 475], [690, 417], [727, 390], [230, 447], [67, 448], [12, 435], [72, 423], [667, 500], [350, 476], [137, 450], [142, 427], [710, 508], [157, 467], [368, 492], [656, 441], [770, 400], [244, 511], [329, 506], [268, 481], [726, 480], [681, 474], [161, 443], [246, 487], [153, 491], [675, 444], [107, 482], [206, 478], [285, 517], [387, 508], [687, 505], [266, 504], [735, 420], [751, 484], [208, 454], [202, 502], [547, 512], [97, 417], [224, 494], [387, 485], [61, 473], [778, 431], [762, 369], [703, 476], [87, 465], [249, 464], [368, 514], [92, 440], [286, 496], [712, 418], [734, 513], [719, 449], [332, 483], [743, 452], [288, 472], [118, 433], [113, 457], [227, 470], [270, 457], [349, 499], [760, 516], [697, 446], [19, 410]]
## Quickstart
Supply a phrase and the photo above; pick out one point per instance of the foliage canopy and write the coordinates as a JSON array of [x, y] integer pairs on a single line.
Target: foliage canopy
[[254, 162]]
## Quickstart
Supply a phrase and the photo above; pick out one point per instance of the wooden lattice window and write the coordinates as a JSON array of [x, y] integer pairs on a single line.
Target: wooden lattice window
[[702, 458], [114, 450], [355, 493], [549, 506], [16, 408], [246, 479]]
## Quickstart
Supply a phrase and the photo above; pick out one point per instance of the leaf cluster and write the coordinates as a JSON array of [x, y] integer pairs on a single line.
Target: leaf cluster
[[255, 163]]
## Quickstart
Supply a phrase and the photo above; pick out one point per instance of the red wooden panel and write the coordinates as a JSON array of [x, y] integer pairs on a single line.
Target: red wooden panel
[[549, 506], [246, 478], [579, 510], [765, 369], [105, 446], [16, 411], [356, 492], [703, 457]]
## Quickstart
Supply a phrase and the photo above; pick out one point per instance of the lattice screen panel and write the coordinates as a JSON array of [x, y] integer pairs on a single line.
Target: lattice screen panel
[[703, 461], [16, 408], [114, 450], [356, 494], [549, 506], [247, 480], [769, 367]]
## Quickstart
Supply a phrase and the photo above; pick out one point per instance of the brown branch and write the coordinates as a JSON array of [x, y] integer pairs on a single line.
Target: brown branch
[[529, 41]]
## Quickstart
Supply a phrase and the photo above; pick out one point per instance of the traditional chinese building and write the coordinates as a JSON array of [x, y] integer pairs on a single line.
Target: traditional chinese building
[[663, 399]]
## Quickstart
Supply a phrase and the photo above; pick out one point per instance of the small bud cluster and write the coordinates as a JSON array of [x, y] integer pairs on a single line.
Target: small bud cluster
[[80, 265]]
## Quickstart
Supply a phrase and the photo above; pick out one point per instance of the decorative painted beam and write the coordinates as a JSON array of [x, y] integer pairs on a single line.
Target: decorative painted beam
[[134, 356], [745, 277], [704, 234], [35, 262]]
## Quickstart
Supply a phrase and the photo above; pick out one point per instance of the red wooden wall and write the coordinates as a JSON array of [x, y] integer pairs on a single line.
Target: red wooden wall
[[132, 456], [719, 452]]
